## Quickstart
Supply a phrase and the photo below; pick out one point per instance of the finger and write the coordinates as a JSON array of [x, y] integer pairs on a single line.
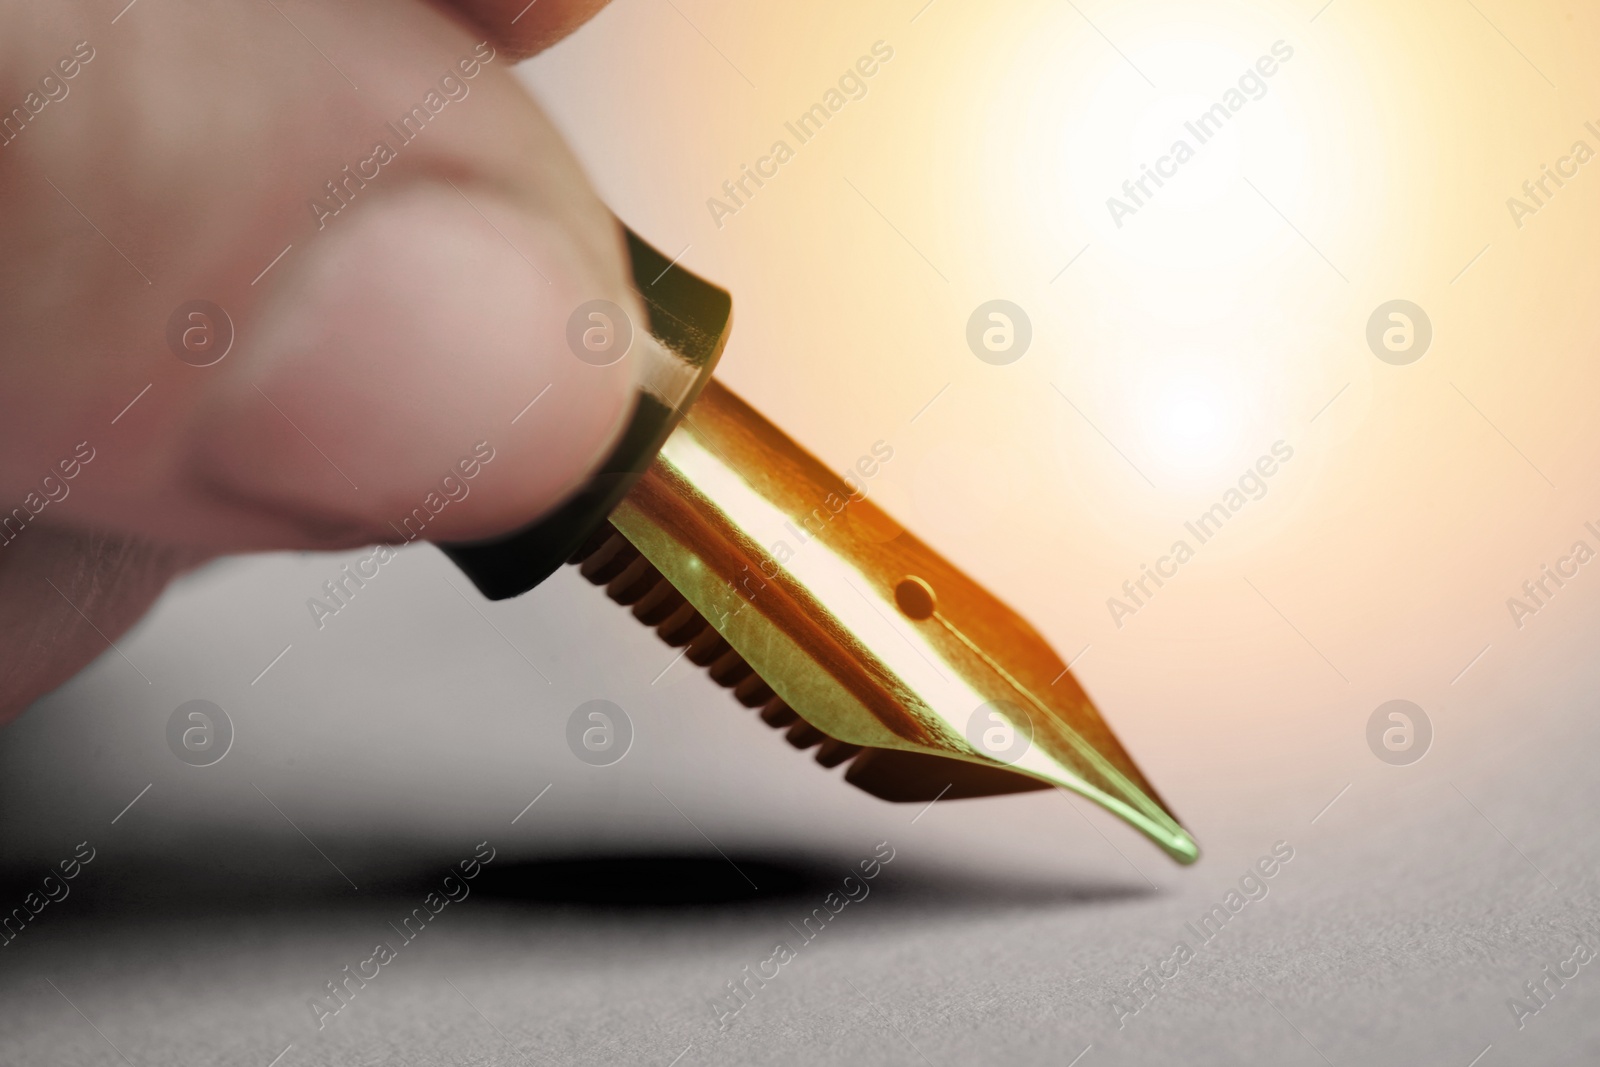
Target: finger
[[387, 329], [525, 27], [68, 596]]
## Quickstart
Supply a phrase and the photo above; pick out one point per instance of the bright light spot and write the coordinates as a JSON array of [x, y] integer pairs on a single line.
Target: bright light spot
[[1190, 427]]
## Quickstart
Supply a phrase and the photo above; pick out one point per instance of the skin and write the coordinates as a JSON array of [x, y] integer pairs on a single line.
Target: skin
[[366, 362]]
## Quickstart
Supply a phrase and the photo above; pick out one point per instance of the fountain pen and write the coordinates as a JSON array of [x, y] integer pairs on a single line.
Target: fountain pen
[[856, 638]]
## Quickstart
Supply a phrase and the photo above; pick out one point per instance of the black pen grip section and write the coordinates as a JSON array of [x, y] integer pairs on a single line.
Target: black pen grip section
[[689, 318]]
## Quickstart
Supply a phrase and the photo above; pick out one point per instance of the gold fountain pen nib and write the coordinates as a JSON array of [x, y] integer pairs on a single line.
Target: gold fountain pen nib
[[855, 634], [809, 601]]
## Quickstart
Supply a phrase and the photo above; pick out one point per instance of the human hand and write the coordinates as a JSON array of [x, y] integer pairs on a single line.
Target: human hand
[[392, 308]]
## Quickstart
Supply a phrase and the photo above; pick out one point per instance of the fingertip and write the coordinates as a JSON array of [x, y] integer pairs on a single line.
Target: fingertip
[[416, 367], [523, 28]]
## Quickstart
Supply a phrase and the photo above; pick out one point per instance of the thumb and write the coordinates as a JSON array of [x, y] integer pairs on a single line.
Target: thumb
[[412, 376], [388, 274]]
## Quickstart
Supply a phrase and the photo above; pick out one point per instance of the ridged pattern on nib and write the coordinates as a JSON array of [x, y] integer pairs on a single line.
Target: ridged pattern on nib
[[609, 559]]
